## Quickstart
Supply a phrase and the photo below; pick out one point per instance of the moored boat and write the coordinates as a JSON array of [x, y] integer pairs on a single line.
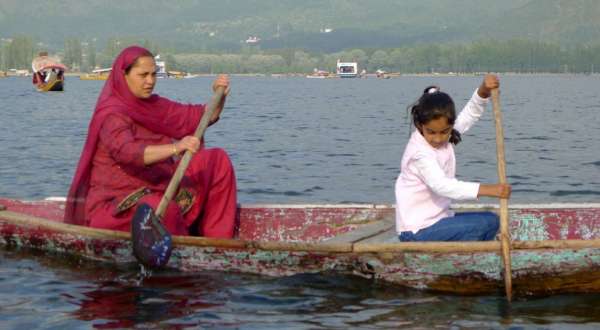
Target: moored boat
[[347, 69], [98, 74], [48, 73], [319, 74], [555, 247]]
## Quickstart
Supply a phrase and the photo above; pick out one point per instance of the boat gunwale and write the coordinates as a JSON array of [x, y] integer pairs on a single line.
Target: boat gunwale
[[30, 221], [553, 205]]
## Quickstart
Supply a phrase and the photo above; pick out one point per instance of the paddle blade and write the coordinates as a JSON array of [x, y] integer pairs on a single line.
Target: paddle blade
[[152, 243]]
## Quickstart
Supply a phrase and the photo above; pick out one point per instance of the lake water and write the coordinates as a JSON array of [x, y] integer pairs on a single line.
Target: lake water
[[297, 140]]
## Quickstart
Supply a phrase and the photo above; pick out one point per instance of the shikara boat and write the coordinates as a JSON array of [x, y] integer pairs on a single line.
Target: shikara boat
[[48, 73], [98, 74], [555, 247]]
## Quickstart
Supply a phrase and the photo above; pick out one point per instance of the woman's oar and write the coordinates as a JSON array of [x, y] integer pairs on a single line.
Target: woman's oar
[[151, 242], [504, 234]]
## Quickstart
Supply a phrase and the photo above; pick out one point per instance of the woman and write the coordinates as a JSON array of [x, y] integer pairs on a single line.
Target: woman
[[130, 155]]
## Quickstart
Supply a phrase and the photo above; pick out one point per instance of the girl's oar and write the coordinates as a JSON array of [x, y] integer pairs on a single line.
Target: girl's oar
[[151, 242], [504, 234]]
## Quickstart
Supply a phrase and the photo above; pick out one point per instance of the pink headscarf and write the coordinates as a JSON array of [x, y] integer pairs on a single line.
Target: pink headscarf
[[117, 98]]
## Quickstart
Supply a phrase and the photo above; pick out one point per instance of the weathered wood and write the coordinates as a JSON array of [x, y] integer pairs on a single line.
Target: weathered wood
[[288, 240], [438, 247], [212, 242], [363, 232], [36, 222], [261, 245], [304, 246], [368, 245], [504, 233], [489, 246], [388, 236], [556, 244]]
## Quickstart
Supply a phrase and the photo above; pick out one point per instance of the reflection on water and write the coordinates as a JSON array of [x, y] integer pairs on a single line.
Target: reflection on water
[[296, 140], [49, 292]]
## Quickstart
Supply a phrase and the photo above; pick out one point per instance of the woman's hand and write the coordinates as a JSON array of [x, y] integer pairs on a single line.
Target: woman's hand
[[160, 152], [495, 190], [222, 80], [189, 142], [490, 81]]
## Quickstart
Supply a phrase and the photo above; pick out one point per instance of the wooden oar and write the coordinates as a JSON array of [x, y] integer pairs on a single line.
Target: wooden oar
[[152, 243], [504, 234]]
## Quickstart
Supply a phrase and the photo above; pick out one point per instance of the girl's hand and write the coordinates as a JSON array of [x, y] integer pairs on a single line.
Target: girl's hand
[[495, 190], [222, 80], [490, 81], [189, 142]]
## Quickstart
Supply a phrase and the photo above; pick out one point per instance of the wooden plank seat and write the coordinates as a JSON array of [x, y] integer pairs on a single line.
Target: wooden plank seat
[[364, 231], [388, 236]]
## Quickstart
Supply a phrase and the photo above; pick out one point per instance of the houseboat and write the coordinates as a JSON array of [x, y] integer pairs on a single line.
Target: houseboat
[[161, 67], [347, 69]]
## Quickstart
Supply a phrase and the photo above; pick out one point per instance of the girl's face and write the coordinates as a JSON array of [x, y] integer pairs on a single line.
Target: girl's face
[[437, 131]]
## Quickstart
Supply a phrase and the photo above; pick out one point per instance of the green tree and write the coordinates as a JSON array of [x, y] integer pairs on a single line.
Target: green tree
[[73, 53], [378, 60], [91, 55], [20, 53]]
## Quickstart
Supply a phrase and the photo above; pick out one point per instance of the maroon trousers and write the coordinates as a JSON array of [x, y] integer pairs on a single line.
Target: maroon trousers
[[211, 179]]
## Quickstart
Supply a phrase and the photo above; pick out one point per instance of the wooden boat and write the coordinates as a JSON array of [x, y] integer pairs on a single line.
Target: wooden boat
[[48, 73], [555, 248], [98, 74], [93, 76]]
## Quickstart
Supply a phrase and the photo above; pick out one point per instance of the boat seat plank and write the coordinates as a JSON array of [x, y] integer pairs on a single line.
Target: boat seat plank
[[388, 236], [363, 232]]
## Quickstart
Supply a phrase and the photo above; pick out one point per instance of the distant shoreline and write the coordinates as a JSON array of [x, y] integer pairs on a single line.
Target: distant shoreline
[[390, 75]]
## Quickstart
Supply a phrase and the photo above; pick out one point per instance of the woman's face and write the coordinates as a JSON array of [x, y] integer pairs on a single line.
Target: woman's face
[[437, 131], [142, 77]]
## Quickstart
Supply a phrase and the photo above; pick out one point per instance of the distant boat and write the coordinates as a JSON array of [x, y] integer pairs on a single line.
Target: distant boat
[[382, 74], [319, 74], [176, 74], [347, 69], [48, 73], [98, 74], [161, 67], [189, 75]]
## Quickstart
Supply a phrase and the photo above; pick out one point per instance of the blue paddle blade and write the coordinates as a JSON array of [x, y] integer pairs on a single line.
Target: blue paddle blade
[[152, 243]]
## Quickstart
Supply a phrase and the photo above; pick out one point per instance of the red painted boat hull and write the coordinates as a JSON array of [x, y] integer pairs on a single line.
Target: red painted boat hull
[[556, 248]]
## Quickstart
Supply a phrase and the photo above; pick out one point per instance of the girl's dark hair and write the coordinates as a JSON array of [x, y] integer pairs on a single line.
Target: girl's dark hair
[[434, 104], [147, 53]]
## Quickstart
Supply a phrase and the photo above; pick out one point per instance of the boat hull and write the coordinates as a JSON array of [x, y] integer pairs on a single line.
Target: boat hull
[[563, 256], [93, 76], [52, 86]]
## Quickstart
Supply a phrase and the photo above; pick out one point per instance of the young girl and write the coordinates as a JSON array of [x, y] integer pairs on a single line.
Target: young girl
[[427, 182]]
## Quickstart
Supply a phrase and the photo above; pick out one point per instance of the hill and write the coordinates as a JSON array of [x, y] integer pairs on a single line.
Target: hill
[[315, 25]]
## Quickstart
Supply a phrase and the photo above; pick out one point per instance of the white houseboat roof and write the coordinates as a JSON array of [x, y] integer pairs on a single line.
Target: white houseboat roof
[[102, 70]]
